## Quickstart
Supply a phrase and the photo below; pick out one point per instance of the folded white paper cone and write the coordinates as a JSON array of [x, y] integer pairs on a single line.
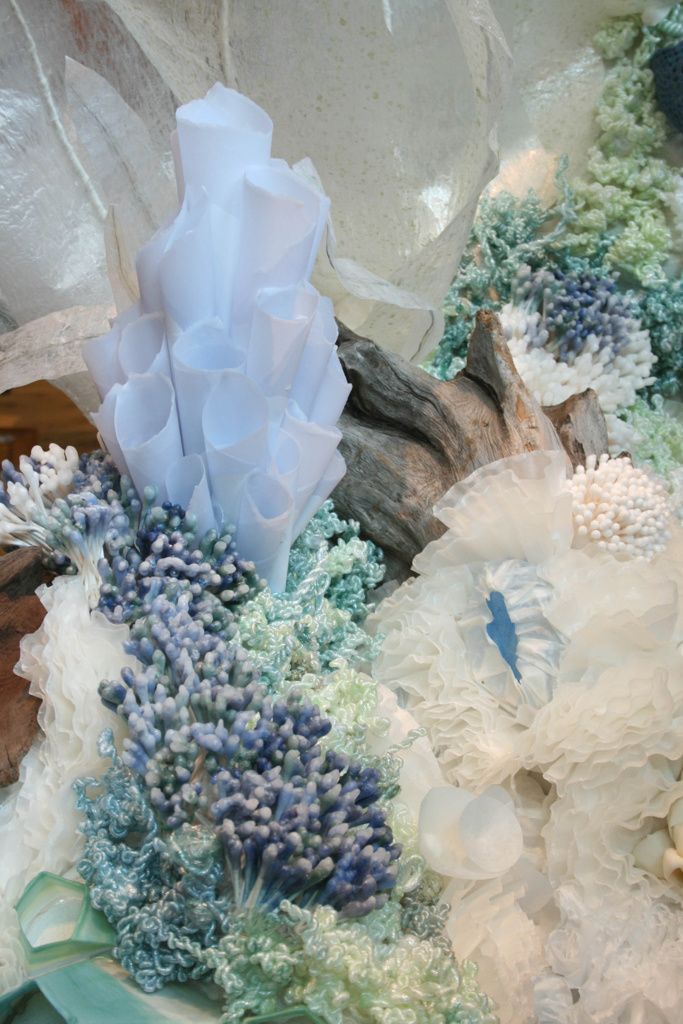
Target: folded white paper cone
[[186, 270], [286, 462], [142, 348], [282, 226], [101, 356], [104, 422], [264, 527], [311, 372], [147, 429], [227, 479], [219, 137], [187, 485], [325, 319], [316, 445], [333, 391], [235, 418], [200, 356], [335, 470], [281, 322], [147, 268], [235, 425]]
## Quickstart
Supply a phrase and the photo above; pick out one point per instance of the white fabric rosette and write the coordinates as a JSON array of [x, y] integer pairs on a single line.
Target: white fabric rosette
[[222, 386]]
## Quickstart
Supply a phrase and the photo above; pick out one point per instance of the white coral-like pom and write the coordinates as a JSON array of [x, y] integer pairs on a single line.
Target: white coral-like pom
[[55, 468], [615, 378], [622, 509]]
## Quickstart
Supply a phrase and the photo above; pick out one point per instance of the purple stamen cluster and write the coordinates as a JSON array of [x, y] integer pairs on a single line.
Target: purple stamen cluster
[[167, 557], [309, 830], [212, 746], [579, 310]]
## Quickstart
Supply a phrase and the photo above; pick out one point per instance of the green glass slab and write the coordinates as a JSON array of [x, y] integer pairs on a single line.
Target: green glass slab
[[28, 1006], [292, 1015], [58, 924], [99, 992]]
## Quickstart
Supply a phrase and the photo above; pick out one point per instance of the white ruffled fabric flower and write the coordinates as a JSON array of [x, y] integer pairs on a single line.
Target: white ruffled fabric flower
[[522, 651], [64, 660], [461, 835]]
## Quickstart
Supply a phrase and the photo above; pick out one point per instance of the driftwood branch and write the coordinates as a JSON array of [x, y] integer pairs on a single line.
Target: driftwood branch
[[21, 612], [409, 437], [580, 425]]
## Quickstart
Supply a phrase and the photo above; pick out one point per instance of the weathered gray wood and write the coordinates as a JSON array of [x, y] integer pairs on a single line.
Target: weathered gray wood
[[21, 612], [580, 425], [409, 437]]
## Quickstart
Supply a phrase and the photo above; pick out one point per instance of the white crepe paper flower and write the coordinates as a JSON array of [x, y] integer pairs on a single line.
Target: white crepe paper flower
[[222, 386], [523, 649], [39, 824]]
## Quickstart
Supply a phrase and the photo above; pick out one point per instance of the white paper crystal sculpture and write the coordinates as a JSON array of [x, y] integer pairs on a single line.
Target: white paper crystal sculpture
[[222, 386]]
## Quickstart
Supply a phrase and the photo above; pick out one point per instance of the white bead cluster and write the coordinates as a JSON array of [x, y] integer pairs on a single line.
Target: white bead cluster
[[620, 508]]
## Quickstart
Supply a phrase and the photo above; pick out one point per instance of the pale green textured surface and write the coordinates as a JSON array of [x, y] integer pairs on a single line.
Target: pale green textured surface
[[368, 971]]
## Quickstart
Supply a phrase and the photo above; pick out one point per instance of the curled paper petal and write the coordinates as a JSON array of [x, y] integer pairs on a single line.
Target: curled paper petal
[[283, 225], [316, 445], [264, 526], [235, 418], [287, 461], [187, 485], [219, 137], [104, 421], [468, 836], [197, 267], [147, 269], [235, 428], [142, 347], [279, 329], [312, 368], [331, 396], [328, 481], [146, 426], [101, 356], [200, 357]]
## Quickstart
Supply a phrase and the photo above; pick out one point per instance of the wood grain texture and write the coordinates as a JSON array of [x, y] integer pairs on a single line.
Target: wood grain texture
[[580, 425], [409, 437], [21, 612]]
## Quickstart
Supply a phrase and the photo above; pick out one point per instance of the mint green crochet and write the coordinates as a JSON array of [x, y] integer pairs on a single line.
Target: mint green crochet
[[624, 198]]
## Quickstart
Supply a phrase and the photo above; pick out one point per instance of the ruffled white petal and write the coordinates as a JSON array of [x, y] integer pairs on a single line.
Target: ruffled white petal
[[573, 702], [64, 660]]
